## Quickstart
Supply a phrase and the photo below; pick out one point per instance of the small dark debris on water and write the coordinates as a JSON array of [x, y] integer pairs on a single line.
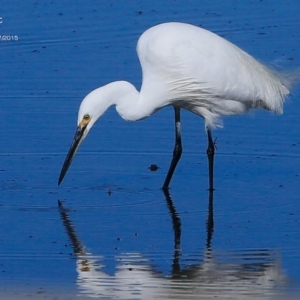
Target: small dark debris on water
[[40, 291], [109, 192], [153, 167]]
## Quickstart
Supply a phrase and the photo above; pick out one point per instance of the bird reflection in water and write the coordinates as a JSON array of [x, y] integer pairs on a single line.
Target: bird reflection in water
[[247, 274]]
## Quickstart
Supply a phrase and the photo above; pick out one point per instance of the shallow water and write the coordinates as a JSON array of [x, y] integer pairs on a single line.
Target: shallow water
[[115, 234]]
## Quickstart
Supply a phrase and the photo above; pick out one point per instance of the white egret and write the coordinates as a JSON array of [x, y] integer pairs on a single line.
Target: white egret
[[187, 67]]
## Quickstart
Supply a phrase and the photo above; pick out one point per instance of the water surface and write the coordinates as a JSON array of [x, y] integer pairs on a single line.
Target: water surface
[[115, 234]]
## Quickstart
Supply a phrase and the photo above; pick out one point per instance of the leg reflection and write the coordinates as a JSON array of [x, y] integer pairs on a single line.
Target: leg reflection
[[210, 219], [177, 231], [177, 228]]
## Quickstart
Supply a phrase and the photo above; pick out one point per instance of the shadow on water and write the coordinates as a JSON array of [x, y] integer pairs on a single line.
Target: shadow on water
[[246, 274]]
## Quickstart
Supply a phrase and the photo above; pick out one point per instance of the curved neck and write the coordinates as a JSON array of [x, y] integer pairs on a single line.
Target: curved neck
[[129, 103]]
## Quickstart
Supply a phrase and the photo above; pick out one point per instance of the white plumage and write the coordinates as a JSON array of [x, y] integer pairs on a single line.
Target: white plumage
[[191, 68], [204, 73]]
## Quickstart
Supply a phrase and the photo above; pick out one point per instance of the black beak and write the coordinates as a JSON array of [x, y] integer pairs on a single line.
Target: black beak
[[78, 138]]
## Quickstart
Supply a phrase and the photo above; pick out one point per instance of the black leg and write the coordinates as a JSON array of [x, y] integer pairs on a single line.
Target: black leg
[[210, 155], [177, 149]]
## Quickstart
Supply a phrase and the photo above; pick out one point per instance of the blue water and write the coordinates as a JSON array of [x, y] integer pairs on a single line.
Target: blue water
[[120, 218]]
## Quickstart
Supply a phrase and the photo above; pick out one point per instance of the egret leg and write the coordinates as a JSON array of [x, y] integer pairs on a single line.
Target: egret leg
[[210, 155], [177, 149]]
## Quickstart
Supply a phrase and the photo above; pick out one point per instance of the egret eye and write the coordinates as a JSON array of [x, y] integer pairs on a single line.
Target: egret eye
[[86, 117]]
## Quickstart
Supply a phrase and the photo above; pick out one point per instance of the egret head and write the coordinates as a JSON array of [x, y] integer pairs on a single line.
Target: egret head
[[94, 105], [91, 109]]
